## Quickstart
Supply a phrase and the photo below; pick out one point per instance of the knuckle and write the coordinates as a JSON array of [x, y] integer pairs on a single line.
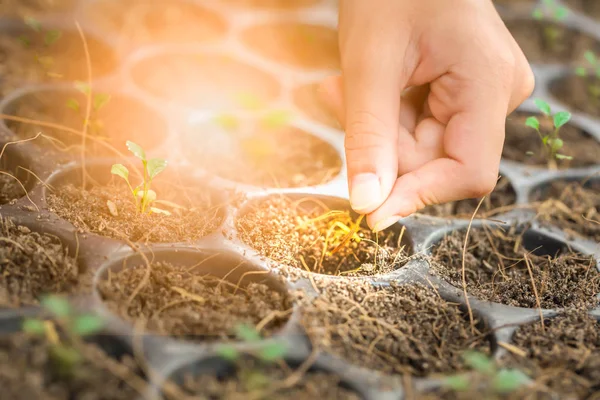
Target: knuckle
[[365, 130], [528, 79], [481, 182]]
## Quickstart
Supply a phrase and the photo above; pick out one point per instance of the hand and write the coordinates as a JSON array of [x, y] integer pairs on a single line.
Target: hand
[[425, 89]]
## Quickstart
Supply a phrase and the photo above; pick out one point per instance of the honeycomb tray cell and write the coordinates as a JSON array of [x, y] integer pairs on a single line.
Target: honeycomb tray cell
[[253, 227]]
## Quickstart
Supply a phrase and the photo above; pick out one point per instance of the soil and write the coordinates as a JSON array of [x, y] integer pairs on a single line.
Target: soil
[[24, 8], [179, 302], [280, 157], [590, 8], [308, 100], [570, 45], [201, 80], [140, 22], [66, 62], [289, 233], [401, 329], [27, 372], [521, 139], [572, 206], [502, 197], [299, 45], [563, 356], [31, 265], [121, 119], [575, 92], [249, 379], [195, 216], [497, 270], [10, 189], [510, 3]]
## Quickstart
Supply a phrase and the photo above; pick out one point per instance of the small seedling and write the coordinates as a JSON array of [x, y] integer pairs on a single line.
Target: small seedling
[[551, 141], [143, 195], [99, 101], [48, 38], [549, 10], [499, 381], [591, 71], [63, 349]]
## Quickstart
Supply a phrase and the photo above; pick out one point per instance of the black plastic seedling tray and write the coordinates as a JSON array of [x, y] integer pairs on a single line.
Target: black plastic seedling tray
[[169, 356]]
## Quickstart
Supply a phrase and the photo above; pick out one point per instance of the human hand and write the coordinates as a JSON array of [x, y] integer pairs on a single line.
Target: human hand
[[423, 96]]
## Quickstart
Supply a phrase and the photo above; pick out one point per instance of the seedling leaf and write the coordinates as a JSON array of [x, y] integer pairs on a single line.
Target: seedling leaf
[[532, 122], [479, 362], [112, 208], [227, 121], [563, 157], [590, 57], [556, 144], [34, 326], [82, 87], [561, 118], [73, 104], [87, 325], [277, 119], [458, 383], [537, 14], [249, 101], [561, 13], [100, 100], [33, 23], [543, 106], [247, 333], [228, 353], [272, 352], [137, 150], [580, 71], [59, 306], [157, 210], [509, 380], [156, 166], [52, 37], [150, 195], [120, 170]]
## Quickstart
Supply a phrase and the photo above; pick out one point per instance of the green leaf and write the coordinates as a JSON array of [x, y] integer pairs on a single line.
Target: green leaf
[[458, 383], [25, 41], [545, 139], [228, 353], [479, 362], [272, 352], [580, 71], [100, 100], [509, 380], [249, 101], [529, 153], [247, 333], [157, 210], [73, 104], [227, 121], [597, 71], [537, 14], [82, 87], [34, 326], [66, 357], [555, 144], [52, 37], [590, 57], [156, 166], [150, 195], [543, 106], [561, 13], [57, 305], [563, 157], [561, 118], [33, 23], [137, 150], [120, 170], [87, 325], [533, 122], [277, 119]]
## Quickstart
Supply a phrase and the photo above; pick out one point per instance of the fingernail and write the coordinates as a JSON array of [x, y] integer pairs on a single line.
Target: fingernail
[[386, 223], [365, 192]]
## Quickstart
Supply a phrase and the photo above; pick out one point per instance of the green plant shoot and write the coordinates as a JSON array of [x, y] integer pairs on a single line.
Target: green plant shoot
[[143, 195], [48, 38], [550, 10], [63, 348], [267, 352], [592, 72], [551, 141], [99, 101]]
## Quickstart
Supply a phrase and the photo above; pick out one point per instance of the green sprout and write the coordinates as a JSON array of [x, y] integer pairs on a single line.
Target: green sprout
[[63, 349], [48, 38], [551, 141], [585, 72], [499, 381], [143, 195], [551, 11], [99, 101]]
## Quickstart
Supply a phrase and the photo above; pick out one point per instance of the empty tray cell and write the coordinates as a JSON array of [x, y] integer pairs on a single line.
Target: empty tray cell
[[308, 99], [580, 93]]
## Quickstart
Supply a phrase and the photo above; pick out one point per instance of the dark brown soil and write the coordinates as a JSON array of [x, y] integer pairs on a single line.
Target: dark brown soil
[[31, 265], [563, 356], [267, 157], [308, 99], [28, 372], [521, 139], [19, 65], [176, 301], [9, 188], [406, 329], [590, 8], [141, 22], [298, 45], [498, 201], [27, 8], [289, 232], [575, 91], [199, 80], [570, 45], [121, 119], [572, 206], [197, 215], [496, 270], [248, 379]]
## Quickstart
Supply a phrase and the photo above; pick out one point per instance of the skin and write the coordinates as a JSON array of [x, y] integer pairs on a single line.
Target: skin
[[423, 95]]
